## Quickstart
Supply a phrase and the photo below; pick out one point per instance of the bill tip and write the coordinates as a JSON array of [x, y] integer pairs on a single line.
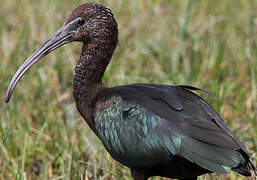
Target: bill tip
[[7, 99]]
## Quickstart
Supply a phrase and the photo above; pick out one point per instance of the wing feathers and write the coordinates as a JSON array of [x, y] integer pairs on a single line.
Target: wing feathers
[[184, 125]]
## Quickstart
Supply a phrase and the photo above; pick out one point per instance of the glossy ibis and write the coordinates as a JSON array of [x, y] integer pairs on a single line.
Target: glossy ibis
[[155, 130]]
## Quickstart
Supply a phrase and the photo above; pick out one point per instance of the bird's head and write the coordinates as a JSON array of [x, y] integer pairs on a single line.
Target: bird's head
[[91, 21], [88, 23]]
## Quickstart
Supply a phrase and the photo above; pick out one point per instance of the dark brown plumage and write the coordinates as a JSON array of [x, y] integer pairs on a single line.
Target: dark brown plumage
[[156, 130], [98, 44]]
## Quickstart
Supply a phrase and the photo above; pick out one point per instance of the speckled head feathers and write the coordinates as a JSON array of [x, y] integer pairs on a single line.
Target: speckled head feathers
[[89, 11], [99, 21]]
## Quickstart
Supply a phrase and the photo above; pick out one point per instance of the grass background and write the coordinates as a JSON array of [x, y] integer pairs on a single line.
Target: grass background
[[209, 44]]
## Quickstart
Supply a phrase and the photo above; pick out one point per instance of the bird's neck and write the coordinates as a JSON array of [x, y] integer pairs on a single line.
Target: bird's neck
[[87, 80]]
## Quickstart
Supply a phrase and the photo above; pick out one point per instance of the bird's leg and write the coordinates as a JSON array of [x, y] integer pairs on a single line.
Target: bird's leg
[[139, 174]]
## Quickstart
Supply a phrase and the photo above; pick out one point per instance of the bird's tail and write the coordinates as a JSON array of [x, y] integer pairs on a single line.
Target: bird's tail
[[248, 168], [253, 167]]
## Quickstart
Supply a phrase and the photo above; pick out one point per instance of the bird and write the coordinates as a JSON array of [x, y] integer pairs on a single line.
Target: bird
[[153, 129]]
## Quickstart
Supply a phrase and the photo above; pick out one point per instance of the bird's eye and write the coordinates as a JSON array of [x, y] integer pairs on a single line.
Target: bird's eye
[[81, 22]]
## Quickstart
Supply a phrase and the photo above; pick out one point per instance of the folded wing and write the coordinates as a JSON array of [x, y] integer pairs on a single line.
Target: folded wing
[[184, 125]]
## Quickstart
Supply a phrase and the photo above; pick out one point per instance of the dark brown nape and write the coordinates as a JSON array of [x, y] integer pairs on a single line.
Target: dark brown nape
[[99, 37]]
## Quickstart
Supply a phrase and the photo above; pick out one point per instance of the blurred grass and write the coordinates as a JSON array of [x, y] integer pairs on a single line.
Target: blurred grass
[[210, 44]]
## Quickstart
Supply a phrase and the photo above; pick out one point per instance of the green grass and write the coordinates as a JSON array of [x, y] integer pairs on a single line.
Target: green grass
[[209, 44]]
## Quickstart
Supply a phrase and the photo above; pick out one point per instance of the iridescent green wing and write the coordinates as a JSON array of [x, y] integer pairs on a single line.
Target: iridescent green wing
[[131, 134], [154, 123]]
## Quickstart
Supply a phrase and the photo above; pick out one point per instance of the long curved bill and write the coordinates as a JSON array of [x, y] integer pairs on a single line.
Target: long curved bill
[[58, 39]]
